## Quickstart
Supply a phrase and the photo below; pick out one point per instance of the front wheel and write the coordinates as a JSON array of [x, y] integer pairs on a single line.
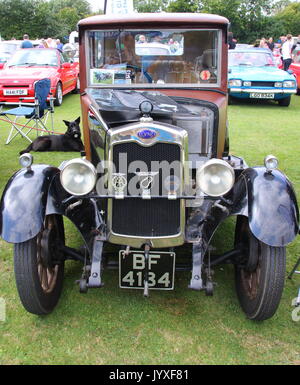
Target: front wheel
[[58, 95], [39, 268], [260, 278], [285, 102]]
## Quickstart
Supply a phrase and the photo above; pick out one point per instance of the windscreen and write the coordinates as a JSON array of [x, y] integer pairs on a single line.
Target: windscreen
[[248, 58], [8, 48], [127, 57], [34, 57]]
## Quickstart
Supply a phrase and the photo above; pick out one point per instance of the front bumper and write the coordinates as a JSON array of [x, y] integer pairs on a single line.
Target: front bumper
[[244, 92]]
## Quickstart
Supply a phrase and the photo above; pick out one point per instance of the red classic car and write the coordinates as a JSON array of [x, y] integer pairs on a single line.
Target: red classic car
[[295, 67], [29, 65]]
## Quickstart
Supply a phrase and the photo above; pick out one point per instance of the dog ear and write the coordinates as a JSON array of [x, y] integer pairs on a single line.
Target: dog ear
[[78, 120], [66, 123]]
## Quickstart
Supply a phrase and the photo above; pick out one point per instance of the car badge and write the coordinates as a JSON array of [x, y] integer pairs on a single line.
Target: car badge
[[146, 179], [16, 81], [147, 134], [119, 183]]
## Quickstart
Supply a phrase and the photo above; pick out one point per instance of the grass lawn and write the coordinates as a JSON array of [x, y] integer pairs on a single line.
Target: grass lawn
[[114, 326]]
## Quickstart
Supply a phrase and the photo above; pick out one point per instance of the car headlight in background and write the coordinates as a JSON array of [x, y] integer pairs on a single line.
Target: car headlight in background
[[215, 177], [278, 84], [289, 83], [78, 176], [235, 83], [247, 84]]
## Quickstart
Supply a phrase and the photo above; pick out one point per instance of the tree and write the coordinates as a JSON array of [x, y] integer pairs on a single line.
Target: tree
[[183, 6], [289, 18], [13, 14], [151, 6]]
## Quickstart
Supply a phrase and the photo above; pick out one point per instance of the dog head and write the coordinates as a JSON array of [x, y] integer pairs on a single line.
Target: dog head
[[73, 128]]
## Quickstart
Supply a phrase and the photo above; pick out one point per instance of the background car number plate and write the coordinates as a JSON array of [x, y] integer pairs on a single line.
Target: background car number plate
[[15, 92], [161, 270], [261, 96]]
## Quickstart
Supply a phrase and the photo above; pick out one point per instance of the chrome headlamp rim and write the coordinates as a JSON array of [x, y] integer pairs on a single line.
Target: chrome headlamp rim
[[26, 157], [219, 162], [82, 162], [271, 158]]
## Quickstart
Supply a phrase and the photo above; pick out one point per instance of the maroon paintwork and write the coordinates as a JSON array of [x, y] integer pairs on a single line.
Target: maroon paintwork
[[217, 95]]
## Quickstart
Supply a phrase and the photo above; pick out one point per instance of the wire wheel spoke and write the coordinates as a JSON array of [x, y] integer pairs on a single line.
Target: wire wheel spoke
[[47, 274]]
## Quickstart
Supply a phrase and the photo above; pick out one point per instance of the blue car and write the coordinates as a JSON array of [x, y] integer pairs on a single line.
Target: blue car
[[253, 74]]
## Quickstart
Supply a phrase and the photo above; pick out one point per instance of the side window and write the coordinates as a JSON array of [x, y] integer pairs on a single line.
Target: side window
[[63, 58]]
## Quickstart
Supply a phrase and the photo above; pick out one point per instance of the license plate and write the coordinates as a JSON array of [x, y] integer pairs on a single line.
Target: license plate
[[16, 92], [257, 95], [160, 274]]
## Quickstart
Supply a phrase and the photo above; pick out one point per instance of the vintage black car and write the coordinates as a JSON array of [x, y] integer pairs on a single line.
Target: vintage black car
[[156, 176]]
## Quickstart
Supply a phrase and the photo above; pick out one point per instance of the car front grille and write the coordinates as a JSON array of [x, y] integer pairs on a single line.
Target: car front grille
[[262, 84], [155, 217]]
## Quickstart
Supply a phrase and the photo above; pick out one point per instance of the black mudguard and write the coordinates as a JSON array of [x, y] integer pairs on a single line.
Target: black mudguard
[[23, 203], [272, 206], [267, 199]]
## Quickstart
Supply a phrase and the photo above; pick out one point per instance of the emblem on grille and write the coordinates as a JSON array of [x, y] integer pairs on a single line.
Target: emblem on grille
[[147, 134], [119, 183], [146, 179]]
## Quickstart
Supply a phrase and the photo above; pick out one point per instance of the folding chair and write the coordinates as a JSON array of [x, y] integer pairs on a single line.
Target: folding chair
[[36, 113], [295, 271]]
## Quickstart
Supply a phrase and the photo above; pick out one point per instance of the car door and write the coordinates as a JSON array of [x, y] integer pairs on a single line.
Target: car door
[[69, 75]]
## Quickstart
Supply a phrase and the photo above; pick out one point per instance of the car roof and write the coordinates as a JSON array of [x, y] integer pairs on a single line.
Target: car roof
[[150, 19]]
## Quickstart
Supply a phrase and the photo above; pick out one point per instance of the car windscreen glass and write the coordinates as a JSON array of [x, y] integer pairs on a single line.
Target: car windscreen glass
[[8, 48], [34, 57], [257, 59], [161, 57]]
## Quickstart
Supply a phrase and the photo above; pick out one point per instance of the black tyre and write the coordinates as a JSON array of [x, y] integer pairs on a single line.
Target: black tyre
[[260, 278], [285, 102], [58, 95], [298, 91], [39, 268]]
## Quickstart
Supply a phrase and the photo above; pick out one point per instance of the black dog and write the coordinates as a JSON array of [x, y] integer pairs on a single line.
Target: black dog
[[70, 141]]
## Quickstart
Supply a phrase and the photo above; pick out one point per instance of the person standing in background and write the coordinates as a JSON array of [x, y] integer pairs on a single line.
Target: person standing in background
[[26, 42], [59, 45], [286, 51], [270, 44]]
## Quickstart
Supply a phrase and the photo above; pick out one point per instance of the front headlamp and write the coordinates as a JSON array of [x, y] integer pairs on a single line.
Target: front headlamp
[[215, 177], [271, 162], [26, 160], [289, 84], [235, 83], [78, 177]]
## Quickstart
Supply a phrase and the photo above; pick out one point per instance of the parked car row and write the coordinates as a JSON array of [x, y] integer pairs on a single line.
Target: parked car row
[[253, 73]]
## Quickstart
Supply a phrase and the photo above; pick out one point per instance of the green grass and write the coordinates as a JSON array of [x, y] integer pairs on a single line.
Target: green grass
[[114, 326]]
